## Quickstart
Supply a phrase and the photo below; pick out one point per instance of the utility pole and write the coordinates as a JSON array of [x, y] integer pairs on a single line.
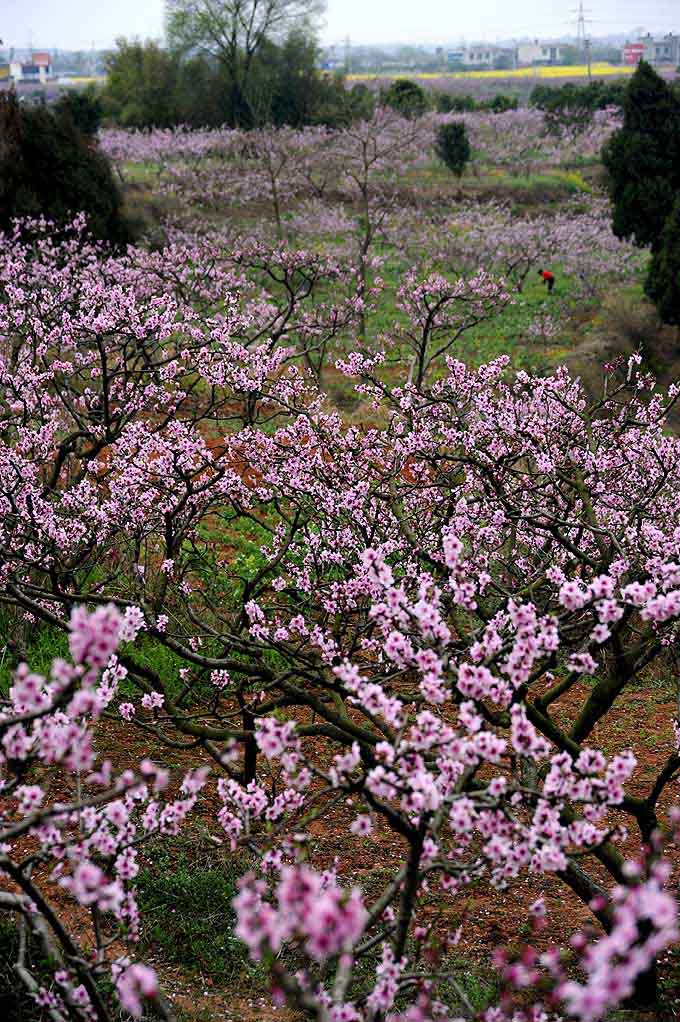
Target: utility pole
[[348, 55], [580, 26], [589, 59], [582, 43]]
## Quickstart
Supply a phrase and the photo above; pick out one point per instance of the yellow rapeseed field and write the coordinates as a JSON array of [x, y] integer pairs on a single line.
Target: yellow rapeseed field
[[556, 71], [84, 79]]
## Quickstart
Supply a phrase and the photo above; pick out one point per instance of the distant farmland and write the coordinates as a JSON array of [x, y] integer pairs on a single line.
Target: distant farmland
[[557, 71]]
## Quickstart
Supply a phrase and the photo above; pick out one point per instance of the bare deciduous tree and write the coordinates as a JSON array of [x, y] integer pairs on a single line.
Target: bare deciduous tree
[[234, 31]]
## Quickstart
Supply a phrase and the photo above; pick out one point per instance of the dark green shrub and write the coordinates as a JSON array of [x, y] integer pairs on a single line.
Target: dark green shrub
[[443, 102], [406, 97], [84, 107], [49, 168], [463, 104], [571, 106], [595, 95], [452, 146], [361, 102], [500, 103]]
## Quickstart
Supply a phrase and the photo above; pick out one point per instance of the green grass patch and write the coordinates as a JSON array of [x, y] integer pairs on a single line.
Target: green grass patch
[[541, 189], [150, 653], [463, 981], [185, 900], [140, 173], [41, 644]]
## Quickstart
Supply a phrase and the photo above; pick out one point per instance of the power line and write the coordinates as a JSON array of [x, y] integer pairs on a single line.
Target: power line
[[348, 54], [581, 22]]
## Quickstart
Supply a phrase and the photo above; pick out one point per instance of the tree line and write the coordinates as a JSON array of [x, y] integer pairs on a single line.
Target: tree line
[[152, 86], [242, 63]]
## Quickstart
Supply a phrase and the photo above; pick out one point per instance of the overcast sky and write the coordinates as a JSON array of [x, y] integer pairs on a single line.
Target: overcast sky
[[78, 24]]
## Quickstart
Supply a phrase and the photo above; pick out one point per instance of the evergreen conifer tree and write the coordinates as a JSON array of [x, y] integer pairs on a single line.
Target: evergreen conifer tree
[[663, 280], [643, 159]]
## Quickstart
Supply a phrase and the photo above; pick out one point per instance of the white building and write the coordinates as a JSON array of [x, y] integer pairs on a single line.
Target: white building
[[456, 58], [483, 55], [37, 70], [539, 52], [663, 49]]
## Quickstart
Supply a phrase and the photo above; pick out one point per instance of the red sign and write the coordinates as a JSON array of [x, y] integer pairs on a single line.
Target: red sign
[[633, 53], [40, 60]]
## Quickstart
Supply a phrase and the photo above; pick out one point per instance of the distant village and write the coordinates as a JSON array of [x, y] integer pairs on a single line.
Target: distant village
[[39, 67], [658, 50]]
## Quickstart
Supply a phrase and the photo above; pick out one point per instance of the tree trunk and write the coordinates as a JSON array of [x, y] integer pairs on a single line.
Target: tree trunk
[[249, 746], [646, 993]]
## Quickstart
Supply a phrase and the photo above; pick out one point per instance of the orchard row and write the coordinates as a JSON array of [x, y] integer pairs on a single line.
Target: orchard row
[[416, 594]]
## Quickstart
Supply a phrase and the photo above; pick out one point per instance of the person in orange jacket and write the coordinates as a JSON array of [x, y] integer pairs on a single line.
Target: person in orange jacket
[[549, 279]]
